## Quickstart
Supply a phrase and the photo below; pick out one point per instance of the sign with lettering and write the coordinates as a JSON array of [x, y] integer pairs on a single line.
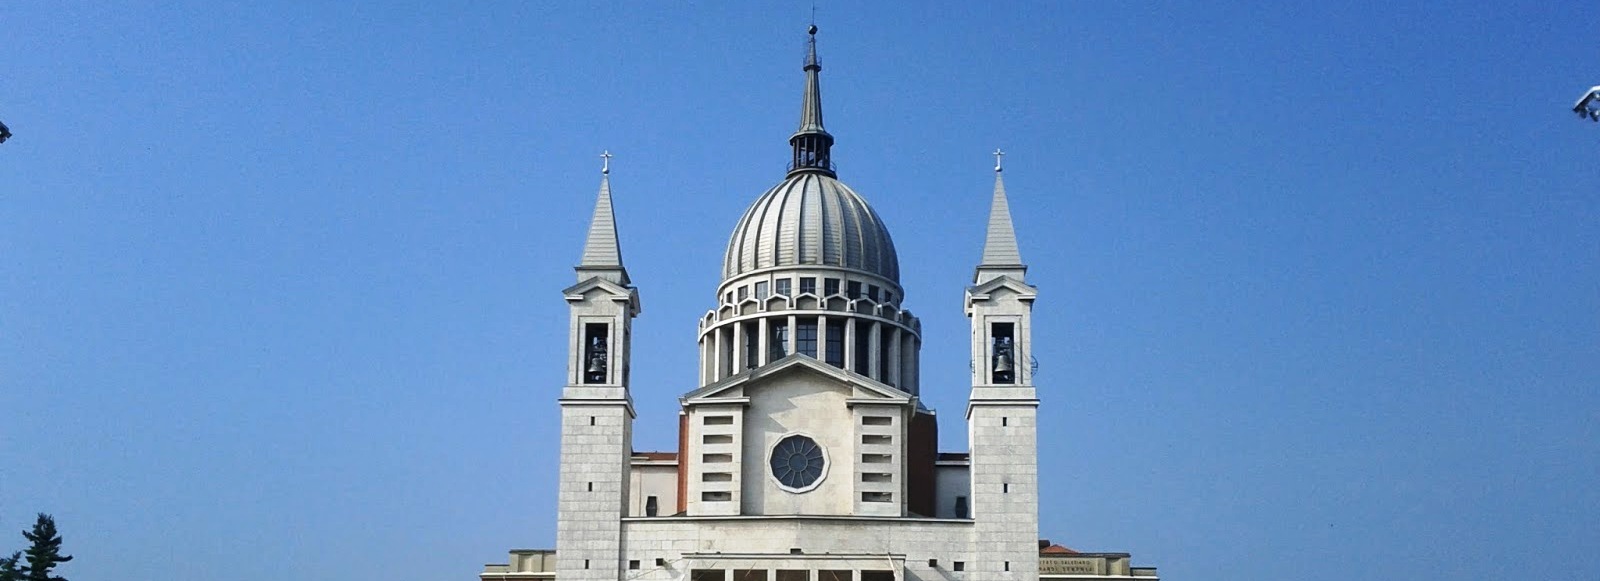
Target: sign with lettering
[[1069, 566]]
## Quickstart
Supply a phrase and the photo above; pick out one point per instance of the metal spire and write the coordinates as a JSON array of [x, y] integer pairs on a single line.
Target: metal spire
[[1000, 253], [602, 255], [811, 142]]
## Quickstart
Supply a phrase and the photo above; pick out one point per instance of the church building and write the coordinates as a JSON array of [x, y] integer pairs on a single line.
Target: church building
[[805, 453]]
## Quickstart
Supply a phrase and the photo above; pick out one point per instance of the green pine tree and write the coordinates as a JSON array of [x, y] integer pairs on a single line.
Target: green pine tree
[[9, 570], [45, 551]]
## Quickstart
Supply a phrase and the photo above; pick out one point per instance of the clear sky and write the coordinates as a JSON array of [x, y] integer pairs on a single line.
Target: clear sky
[[1319, 294]]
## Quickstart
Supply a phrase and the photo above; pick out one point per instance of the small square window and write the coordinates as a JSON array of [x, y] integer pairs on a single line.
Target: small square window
[[853, 289], [933, 563], [808, 284], [633, 564], [830, 286], [761, 290], [744, 292], [660, 562], [958, 566], [781, 287]]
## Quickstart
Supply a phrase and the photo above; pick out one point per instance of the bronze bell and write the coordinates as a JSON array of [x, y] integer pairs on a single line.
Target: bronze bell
[[597, 364], [1002, 363]]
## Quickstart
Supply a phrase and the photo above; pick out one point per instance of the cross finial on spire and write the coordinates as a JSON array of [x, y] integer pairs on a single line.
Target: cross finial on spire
[[605, 162], [997, 155]]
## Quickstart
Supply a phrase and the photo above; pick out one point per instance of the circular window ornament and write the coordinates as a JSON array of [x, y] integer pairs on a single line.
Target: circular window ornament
[[798, 463]]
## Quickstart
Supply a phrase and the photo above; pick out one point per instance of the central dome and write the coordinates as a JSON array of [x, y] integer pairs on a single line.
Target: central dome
[[811, 219]]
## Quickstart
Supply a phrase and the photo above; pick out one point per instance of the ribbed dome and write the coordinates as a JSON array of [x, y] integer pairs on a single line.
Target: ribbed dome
[[811, 219]]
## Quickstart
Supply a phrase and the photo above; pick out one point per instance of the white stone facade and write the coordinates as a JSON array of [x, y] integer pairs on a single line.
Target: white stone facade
[[806, 453]]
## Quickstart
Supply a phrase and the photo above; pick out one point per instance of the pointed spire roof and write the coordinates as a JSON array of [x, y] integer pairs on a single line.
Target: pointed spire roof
[[1000, 253], [602, 255], [811, 104], [811, 142]]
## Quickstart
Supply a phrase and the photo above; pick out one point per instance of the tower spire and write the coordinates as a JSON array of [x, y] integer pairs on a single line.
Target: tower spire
[[602, 255], [1000, 254], [811, 142]]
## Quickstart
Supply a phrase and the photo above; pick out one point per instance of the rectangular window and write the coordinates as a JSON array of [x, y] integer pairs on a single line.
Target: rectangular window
[[750, 575], [778, 342], [717, 477], [781, 287], [870, 439], [872, 292], [595, 360], [744, 292], [888, 297], [716, 496], [719, 420], [633, 564], [830, 286], [728, 298], [876, 420], [718, 438], [805, 337], [808, 284], [707, 575], [883, 358], [875, 458], [844, 575], [852, 289], [793, 575], [958, 566], [752, 345], [877, 576], [835, 347], [876, 477], [716, 458], [961, 508], [761, 290], [863, 347], [651, 507], [1002, 353]]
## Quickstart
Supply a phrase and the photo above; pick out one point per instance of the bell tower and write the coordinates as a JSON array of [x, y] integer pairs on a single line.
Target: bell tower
[[1003, 408], [596, 409]]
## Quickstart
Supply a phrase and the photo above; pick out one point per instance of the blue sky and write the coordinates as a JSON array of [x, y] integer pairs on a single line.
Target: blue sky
[[279, 282]]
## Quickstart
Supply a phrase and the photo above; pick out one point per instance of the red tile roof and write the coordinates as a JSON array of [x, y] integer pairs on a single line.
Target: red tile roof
[[1057, 550]]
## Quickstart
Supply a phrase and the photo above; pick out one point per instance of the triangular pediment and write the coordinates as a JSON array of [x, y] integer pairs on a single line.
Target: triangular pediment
[[599, 286], [743, 384], [1001, 285]]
